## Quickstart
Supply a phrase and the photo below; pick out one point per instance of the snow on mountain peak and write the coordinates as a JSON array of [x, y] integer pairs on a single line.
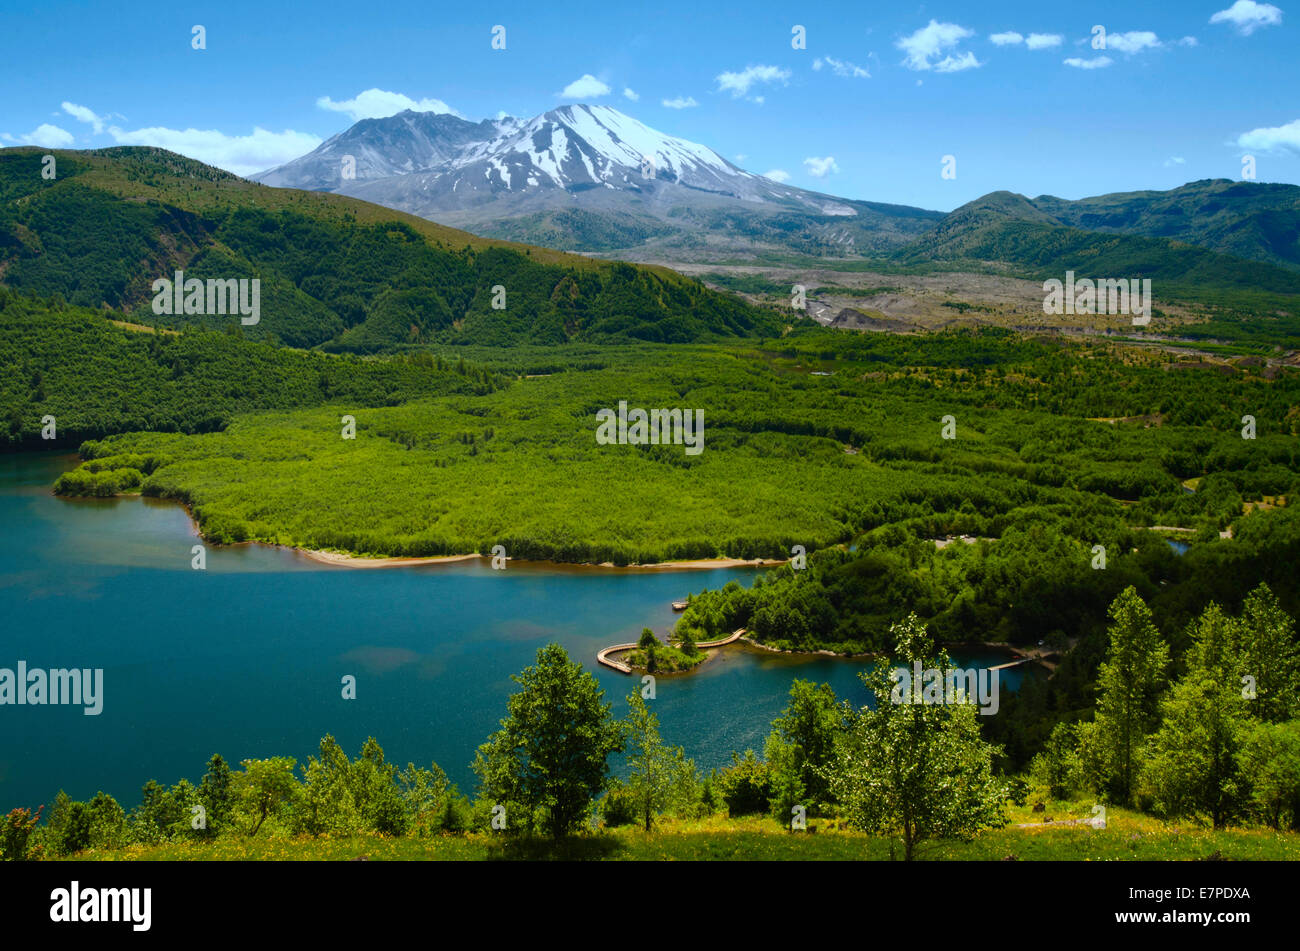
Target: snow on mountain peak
[[572, 146]]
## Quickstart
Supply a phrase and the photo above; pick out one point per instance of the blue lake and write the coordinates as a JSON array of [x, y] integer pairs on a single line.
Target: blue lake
[[246, 658]]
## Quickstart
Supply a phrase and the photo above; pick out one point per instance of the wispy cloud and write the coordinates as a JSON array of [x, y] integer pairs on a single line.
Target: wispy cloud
[[1248, 16], [585, 86], [82, 114], [1132, 42], [1097, 62], [681, 102], [1175, 160], [630, 94], [820, 167], [777, 175], [1034, 41], [1043, 41], [378, 103], [841, 67], [739, 83], [924, 47]]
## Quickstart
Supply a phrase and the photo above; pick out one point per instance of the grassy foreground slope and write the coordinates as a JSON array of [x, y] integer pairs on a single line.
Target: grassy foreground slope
[[1128, 835]]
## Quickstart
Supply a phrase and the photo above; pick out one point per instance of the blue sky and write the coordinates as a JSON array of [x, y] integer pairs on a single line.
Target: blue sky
[[867, 110]]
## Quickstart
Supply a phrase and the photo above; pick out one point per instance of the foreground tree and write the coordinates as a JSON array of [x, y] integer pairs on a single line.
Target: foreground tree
[[216, 794], [914, 769], [1057, 766], [265, 788], [1197, 764], [802, 744], [550, 757], [1270, 756], [1128, 685], [1269, 654], [661, 776]]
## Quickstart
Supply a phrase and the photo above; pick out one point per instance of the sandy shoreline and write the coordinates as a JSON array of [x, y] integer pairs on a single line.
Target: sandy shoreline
[[359, 561], [345, 560]]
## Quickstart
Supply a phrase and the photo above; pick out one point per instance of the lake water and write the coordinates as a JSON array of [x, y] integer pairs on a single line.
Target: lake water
[[245, 659]]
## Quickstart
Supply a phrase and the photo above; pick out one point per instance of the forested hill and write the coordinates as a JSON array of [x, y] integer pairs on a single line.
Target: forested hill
[[74, 365], [1255, 249], [335, 272]]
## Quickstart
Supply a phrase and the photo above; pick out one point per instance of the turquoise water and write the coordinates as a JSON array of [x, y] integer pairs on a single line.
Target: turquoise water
[[246, 658]]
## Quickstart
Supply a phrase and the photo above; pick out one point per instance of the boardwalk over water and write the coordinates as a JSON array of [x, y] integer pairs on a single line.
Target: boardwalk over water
[[602, 656]]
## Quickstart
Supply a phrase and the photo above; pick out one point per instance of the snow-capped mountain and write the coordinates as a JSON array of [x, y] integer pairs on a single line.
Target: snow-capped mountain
[[380, 148], [584, 177]]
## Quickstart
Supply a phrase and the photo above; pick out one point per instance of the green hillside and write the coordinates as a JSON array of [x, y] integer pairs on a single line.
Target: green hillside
[[335, 272], [97, 379], [1009, 229], [1252, 220]]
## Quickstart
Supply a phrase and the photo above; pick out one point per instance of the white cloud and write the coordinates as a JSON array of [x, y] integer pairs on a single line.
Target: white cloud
[[681, 102], [379, 103], [738, 84], [1248, 16], [820, 167], [1034, 41], [82, 114], [241, 154], [1175, 160], [46, 136], [1188, 41], [1097, 62], [741, 156], [585, 86], [955, 64], [777, 175], [841, 67], [630, 94], [1133, 41], [925, 45], [1274, 139]]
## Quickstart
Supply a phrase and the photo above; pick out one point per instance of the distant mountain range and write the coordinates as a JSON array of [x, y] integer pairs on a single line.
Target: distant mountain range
[[344, 274], [592, 179]]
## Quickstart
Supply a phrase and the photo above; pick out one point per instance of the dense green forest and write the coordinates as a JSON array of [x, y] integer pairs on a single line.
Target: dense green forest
[[1089, 441], [97, 379], [355, 285]]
